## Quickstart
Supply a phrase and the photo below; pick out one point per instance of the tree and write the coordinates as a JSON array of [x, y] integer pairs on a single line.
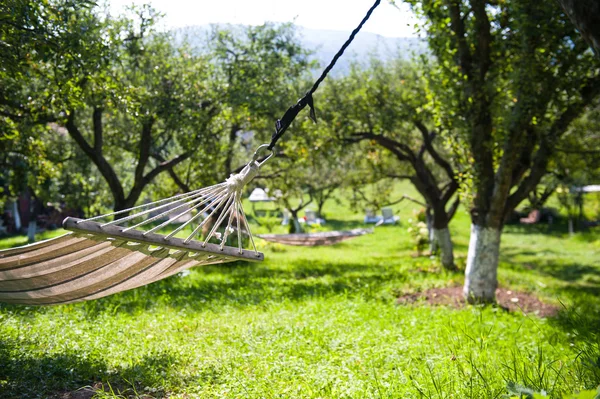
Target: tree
[[310, 168], [386, 105], [509, 86], [575, 164], [126, 95], [150, 102], [32, 35], [255, 71]]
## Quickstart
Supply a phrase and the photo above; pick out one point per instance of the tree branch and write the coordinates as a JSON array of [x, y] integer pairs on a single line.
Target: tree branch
[[547, 147], [165, 166], [180, 183], [407, 198], [145, 143], [401, 151], [452, 211], [98, 159], [428, 138], [98, 130], [457, 25]]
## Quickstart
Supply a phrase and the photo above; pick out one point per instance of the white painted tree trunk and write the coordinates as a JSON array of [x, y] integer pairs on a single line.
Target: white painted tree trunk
[[482, 265], [31, 230], [17, 216], [444, 242]]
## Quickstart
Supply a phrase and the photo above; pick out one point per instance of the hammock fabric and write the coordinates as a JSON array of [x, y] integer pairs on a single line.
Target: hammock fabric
[[314, 239], [82, 265]]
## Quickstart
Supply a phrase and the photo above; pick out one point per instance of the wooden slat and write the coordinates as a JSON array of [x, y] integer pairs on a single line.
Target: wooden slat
[[112, 231]]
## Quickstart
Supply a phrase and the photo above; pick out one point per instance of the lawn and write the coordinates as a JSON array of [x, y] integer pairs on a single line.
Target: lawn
[[322, 322]]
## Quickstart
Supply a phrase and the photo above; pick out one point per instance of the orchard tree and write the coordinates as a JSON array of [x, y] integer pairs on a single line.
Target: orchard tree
[[33, 34], [255, 68], [511, 76], [386, 105], [148, 107], [310, 169], [135, 104]]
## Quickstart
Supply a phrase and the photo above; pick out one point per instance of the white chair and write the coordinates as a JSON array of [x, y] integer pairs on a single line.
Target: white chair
[[371, 217], [310, 217], [388, 216], [286, 218]]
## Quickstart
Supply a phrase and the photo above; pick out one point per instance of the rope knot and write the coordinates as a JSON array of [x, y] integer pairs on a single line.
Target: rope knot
[[237, 181]]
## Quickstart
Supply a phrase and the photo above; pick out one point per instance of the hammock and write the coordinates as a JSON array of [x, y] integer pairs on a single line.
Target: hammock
[[314, 239], [77, 267], [101, 258]]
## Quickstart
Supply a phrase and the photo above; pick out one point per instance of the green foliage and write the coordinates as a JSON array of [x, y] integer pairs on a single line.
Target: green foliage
[[137, 102], [269, 220], [419, 233]]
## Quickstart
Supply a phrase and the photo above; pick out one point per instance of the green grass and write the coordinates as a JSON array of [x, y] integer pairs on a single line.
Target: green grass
[[322, 322]]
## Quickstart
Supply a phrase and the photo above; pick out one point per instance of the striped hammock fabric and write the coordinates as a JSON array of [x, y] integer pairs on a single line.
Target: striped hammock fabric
[[314, 239], [82, 266]]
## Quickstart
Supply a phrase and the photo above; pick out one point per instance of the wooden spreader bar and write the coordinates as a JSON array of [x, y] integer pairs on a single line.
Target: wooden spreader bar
[[112, 231]]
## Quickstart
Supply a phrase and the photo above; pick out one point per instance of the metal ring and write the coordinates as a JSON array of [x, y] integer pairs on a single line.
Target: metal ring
[[255, 156]]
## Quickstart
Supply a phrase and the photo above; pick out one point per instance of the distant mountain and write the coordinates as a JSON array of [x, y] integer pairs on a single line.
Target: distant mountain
[[325, 43]]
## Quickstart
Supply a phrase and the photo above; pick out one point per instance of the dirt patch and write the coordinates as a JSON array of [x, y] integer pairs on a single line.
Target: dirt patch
[[82, 393], [507, 299]]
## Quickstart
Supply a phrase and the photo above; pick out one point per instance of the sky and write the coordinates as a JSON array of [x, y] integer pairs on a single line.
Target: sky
[[341, 15]]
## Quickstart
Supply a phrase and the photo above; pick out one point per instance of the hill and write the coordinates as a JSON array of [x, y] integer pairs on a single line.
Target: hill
[[325, 43]]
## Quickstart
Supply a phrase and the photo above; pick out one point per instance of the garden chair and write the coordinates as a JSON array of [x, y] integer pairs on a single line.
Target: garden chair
[[310, 218], [371, 217], [388, 216]]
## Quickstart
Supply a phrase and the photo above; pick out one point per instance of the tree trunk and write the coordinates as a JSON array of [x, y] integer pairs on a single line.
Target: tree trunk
[[585, 15], [482, 265], [32, 227], [320, 205], [442, 237], [17, 216], [294, 224], [431, 231], [444, 242]]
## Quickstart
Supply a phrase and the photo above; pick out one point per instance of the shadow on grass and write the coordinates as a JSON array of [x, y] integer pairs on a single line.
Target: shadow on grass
[[559, 229], [334, 224], [576, 273], [53, 375], [23, 376], [549, 262], [582, 322], [556, 230], [243, 284]]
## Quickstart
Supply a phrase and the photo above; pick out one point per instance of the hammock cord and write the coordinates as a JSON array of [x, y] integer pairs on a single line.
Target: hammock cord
[[282, 124]]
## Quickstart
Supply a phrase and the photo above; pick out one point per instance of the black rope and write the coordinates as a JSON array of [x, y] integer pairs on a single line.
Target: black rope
[[282, 124]]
